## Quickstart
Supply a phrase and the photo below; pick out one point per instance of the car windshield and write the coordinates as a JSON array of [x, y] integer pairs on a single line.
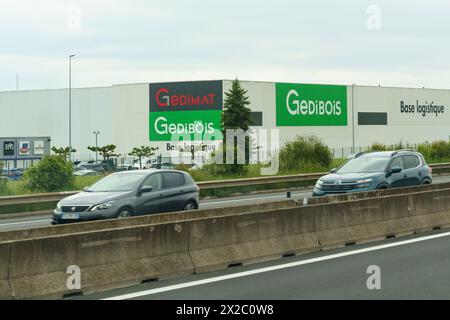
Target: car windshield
[[117, 182], [365, 164]]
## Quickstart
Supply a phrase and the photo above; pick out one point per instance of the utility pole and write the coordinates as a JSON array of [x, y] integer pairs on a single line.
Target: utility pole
[[70, 105], [96, 145], [353, 118]]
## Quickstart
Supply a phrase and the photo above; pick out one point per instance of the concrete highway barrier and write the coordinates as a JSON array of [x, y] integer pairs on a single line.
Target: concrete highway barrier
[[107, 258], [247, 238], [126, 254], [5, 290], [141, 220]]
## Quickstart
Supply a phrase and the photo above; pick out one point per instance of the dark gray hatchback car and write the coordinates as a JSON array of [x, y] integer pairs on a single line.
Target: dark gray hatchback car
[[130, 193]]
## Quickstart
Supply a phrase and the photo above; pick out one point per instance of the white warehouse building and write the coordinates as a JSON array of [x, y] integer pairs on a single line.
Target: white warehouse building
[[132, 115]]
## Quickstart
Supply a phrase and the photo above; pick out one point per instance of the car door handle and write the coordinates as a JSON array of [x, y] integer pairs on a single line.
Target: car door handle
[[405, 176], [161, 194], [420, 173]]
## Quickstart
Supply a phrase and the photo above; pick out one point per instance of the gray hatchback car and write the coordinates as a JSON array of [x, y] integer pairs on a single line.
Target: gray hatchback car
[[130, 193]]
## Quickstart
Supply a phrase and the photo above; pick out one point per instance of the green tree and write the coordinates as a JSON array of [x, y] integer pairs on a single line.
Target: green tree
[[236, 115], [143, 152], [107, 152], [51, 174], [63, 152]]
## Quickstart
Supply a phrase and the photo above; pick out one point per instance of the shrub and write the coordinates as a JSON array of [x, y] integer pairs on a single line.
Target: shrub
[[182, 167], [51, 174], [424, 149], [376, 146], [305, 153], [439, 150], [3, 186]]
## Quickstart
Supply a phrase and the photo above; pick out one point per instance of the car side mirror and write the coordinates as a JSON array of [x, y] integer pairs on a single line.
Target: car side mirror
[[145, 190], [396, 170], [333, 170]]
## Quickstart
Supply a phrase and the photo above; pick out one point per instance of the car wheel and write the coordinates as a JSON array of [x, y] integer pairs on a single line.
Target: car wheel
[[426, 182], [124, 213], [190, 205]]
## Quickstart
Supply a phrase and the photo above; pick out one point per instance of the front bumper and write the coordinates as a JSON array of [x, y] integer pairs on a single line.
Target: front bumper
[[319, 192], [73, 217]]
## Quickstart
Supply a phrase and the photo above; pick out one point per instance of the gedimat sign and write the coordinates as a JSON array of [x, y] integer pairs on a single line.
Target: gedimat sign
[[185, 108]]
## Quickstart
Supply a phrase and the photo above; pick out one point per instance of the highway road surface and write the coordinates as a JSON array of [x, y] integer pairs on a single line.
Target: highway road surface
[[412, 267], [43, 221]]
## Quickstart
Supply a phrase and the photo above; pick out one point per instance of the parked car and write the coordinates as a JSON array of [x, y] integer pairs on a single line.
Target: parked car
[[86, 172], [130, 193], [127, 164], [90, 165], [147, 163], [376, 170], [13, 173]]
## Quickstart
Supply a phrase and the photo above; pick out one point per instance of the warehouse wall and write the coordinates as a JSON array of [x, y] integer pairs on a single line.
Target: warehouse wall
[[46, 113], [121, 114], [402, 126], [130, 116]]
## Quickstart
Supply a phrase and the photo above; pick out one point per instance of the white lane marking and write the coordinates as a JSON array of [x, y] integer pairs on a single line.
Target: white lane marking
[[25, 222], [251, 199], [273, 268]]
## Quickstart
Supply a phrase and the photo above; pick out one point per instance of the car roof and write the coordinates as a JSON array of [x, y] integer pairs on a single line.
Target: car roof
[[148, 171], [386, 153]]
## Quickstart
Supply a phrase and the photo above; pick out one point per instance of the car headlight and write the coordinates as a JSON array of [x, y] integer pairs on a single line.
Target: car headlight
[[319, 184], [102, 206], [363, 183], [58, 207]]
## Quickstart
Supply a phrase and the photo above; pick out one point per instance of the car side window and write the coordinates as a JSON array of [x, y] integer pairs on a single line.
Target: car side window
[[173, 179], [397, 163], [411, 162], [154, 181]]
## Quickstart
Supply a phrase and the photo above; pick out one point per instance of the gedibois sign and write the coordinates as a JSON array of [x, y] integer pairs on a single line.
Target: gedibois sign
[[185, 108], [311, 105]]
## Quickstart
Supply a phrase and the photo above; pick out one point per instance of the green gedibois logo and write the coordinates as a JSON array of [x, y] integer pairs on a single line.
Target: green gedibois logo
[[198, 125], [311, 105]]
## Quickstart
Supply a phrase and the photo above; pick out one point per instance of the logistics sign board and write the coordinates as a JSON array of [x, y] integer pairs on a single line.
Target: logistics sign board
[[193, 108], [310, 105]]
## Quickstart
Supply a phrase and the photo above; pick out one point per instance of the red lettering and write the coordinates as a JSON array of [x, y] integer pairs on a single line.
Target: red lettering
[[212, 96], [205, 100], [158, 94], [183, 100], [195, 100], [174, 101]]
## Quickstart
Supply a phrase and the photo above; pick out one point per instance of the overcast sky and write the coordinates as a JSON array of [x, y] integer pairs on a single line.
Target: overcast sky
[[392, 43]]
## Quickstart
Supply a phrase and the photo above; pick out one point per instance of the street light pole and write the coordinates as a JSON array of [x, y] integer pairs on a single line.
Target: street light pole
[[96, 145], [70, 105]]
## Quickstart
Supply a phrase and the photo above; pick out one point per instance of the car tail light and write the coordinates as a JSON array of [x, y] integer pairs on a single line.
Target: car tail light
[[431, 170], [197, 187]]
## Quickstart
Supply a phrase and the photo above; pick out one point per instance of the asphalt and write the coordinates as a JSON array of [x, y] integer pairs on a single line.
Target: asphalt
[[413, 267]]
